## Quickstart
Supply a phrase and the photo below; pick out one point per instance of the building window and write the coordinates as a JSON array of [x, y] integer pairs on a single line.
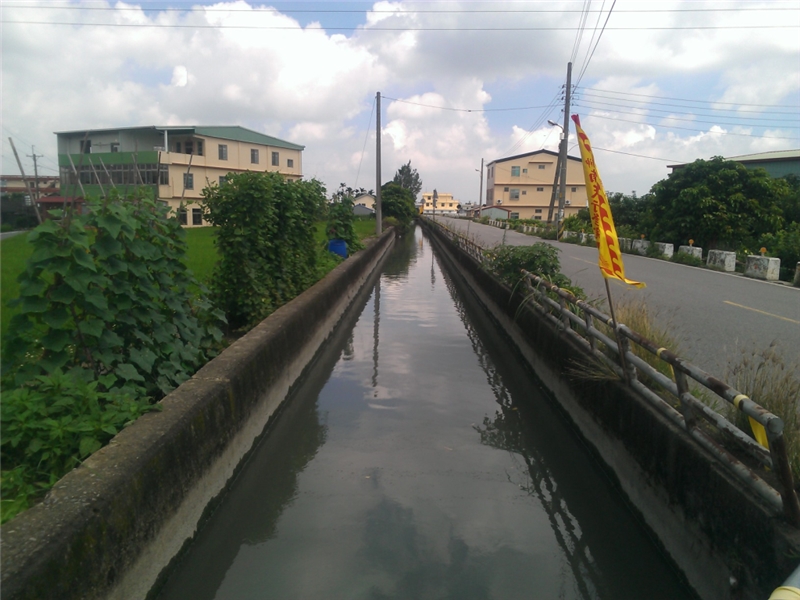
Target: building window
[[524, 192], [538, 218], [515, 171], [182, 216], [189, 147], [114, 147], [290, 163], [178, 147], [524, 170], [574, 189], [254, 156], [537, 210], [276, 159], [222, 179], [199, 148], [188, 181], [197, 216], [514, 194], [505, 189], [539, 189], [223, 152], [515, 215], [86, 146], [542, 166]]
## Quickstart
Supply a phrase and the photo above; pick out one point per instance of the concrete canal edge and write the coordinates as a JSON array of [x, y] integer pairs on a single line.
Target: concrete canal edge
[[724, 539], [110, 527]]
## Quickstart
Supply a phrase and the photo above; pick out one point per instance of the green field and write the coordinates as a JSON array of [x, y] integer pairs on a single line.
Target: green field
[[201, 256]]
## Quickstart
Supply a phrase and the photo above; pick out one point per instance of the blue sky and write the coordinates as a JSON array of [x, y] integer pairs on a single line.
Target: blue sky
[[667, 81]]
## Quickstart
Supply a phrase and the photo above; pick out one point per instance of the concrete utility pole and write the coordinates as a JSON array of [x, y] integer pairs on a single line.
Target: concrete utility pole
[[378, 211], [34, 156], [562, 186], [480, 188], [435, 199]]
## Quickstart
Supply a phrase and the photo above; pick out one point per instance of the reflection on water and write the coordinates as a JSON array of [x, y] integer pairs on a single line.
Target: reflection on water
[[419, 459]]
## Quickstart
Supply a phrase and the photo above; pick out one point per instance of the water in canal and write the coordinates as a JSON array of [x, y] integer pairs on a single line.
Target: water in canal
[[420, 459]]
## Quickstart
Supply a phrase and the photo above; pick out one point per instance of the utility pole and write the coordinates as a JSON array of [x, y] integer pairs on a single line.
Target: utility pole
[[34, 156], [25, 179], [480, 188], [378, 211], [562, 186], [554, 193]]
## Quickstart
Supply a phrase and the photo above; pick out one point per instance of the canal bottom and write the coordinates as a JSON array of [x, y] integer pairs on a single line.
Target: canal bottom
[[419, 458]]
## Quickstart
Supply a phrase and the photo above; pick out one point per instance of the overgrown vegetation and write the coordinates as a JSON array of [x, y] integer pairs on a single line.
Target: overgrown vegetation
[[684, 258], [341, 220], [540, 259], [265, 229], [765, 377], [108, 322], [398, 202]]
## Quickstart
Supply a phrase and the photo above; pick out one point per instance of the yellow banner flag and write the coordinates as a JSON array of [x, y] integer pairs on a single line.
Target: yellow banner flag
[[605, 234]]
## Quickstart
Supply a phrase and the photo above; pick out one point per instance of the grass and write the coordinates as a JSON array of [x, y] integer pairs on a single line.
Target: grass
[[14, 254]]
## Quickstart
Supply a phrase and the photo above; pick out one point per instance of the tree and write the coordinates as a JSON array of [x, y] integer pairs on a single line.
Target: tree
[[717, 203], [408, 178], [397, 202]]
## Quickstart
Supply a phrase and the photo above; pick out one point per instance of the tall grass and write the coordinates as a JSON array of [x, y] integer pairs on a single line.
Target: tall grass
[[764, 376]]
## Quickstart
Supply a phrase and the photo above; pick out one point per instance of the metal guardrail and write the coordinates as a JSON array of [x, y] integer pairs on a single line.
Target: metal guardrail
[[670, 396]]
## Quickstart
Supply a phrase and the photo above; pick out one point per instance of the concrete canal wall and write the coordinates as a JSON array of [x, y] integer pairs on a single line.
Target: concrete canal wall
[[727, 542], [110, 528]]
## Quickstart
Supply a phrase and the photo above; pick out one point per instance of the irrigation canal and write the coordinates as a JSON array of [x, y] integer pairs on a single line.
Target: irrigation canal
[[421, 459]]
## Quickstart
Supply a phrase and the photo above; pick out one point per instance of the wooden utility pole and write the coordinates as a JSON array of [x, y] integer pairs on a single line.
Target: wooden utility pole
[[378, 208], [25, 179], [562, 185]]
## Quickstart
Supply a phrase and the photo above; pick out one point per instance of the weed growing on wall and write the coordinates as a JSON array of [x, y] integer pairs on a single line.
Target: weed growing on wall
[[265, 240], [341, 220], [540, 259]]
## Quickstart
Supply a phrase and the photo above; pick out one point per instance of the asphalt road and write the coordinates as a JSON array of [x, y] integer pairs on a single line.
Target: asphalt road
[[715, 316]]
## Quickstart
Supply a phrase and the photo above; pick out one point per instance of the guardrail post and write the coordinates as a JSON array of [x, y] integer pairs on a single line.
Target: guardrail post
[[564, 318], [780, 461], [624, 347], [589, 322], [683, 388]]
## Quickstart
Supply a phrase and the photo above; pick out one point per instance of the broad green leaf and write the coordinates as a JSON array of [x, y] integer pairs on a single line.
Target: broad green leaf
[[33, 304], [128, 372], [111, 224], [84, 259], [56, 317], [32, 287], [97, 299], [144, 358], [93, 327], [63, 294], [56, 340], [88, 446]]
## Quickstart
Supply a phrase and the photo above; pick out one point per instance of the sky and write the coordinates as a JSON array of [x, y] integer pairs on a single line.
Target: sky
[[655, 83]]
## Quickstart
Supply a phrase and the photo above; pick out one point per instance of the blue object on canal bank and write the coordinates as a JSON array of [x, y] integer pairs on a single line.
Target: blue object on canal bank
[[338, 247]]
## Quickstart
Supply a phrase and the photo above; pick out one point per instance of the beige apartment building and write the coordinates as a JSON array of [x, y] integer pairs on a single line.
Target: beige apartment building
[[176, 162], [445, 203], [524, 184]]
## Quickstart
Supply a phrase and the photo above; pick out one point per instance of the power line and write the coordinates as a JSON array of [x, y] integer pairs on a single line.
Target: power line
[[364, 148], [765, 137], [469, 110], [636, 155], [690, 100], [645, 105], [671, 116], [402, 29], [586, 65]]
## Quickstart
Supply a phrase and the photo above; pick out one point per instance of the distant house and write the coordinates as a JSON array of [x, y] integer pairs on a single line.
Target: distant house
[[778, 163], [498, 213], [176, 162], [445, 204], [361, 210], [524, 183], [367, 200]]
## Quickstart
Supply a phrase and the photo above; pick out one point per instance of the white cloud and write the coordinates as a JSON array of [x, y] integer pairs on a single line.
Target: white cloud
[[238, 63]]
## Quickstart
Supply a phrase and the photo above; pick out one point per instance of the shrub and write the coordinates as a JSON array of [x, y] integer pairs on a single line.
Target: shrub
[[398, 202], [107, 294], [684, 258], [341, 220], [265, 239], [785, 244], [507, 262]]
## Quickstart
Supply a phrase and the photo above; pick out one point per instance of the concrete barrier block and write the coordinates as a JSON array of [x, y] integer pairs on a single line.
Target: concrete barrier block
[[722, 260], [796, 282], [625, 244], [640, 246], [569, 235], [691, 251], [767, 268], [667, 250]]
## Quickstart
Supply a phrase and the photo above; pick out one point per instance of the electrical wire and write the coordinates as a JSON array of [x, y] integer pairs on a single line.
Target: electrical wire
[[690, 100], [364, 148], [468, 110], [586, 64], [645, 105]]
